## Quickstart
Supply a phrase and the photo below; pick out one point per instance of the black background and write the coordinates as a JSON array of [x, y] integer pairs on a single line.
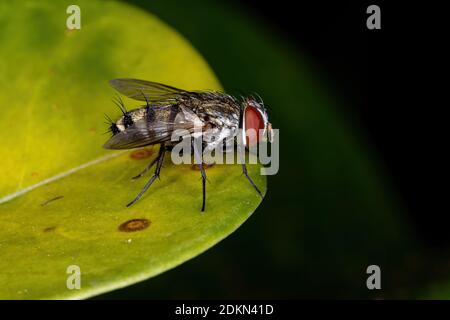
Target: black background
[[391, 81]]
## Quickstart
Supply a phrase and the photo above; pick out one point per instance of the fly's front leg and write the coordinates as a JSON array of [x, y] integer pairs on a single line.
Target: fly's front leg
[[155, 175], [160, 152], [244, 171]]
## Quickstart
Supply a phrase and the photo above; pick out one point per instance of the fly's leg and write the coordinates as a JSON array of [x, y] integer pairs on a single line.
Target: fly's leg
[[155, 175], [160, 152], [244, 171], [146, 168], [202, 170]]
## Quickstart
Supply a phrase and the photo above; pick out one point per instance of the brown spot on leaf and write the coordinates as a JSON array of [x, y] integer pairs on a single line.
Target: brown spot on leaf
[[134, 225], [141, 154], [49, 229], [205, 166], [34, 174]]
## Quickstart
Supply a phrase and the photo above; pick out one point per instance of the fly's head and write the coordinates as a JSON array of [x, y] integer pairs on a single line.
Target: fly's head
[[255, 123]]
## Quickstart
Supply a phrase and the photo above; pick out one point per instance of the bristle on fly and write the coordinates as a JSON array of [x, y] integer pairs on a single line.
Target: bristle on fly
[[112, 127], [119, 102]]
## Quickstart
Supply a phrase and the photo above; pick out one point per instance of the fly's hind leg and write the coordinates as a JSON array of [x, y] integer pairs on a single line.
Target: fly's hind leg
[[160, 160], [244, 171], [160, 152]]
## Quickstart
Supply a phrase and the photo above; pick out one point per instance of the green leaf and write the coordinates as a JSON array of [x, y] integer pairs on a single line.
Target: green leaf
[[62, 197]]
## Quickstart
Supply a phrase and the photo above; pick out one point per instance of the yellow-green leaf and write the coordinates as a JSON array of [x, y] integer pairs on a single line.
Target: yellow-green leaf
[[62, 197]]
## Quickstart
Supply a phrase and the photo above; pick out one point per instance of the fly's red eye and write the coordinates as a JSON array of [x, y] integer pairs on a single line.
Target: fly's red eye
[[253, 122]]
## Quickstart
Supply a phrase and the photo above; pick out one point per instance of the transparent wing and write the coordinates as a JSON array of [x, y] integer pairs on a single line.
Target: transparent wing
[[145, 90], [135, 137]]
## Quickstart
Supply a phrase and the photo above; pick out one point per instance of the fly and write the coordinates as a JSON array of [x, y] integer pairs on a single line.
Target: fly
[[167, 109]]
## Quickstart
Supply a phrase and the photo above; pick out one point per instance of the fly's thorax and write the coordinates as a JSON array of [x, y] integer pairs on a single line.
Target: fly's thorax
[[212, 112], [217, 113], [220, 124], [216, 117]]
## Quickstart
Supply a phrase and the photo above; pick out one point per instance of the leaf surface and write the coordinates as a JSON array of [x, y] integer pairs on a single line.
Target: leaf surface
[[62, 197]]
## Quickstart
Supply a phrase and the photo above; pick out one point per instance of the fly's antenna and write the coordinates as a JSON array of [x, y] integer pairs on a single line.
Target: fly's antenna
[[119, 102]]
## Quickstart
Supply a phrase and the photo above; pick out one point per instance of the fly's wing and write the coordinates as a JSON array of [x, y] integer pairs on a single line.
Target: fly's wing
[[146, 90], [138, 136], [143, 133]]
